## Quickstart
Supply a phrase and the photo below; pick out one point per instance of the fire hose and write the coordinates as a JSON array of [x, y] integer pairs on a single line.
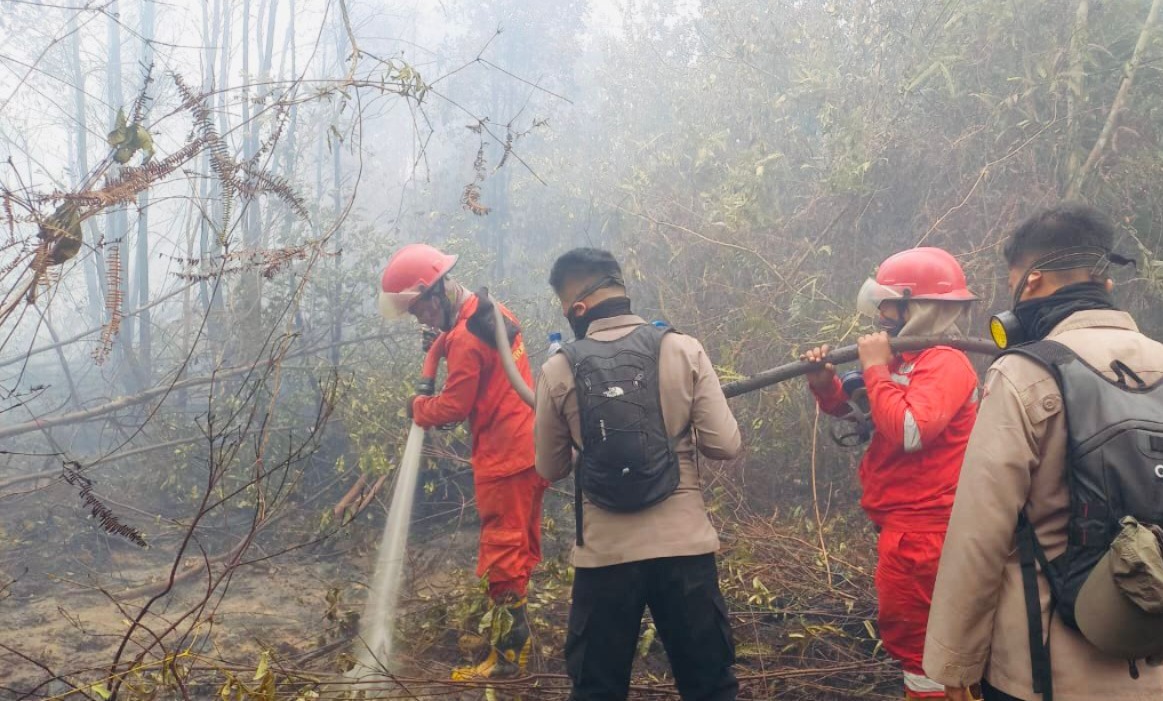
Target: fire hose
[[360, 498], [849, 354], [775, 375]]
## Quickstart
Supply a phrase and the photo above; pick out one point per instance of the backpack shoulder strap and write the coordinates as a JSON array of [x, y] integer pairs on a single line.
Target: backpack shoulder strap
[[1049, 354], [1031, 556]]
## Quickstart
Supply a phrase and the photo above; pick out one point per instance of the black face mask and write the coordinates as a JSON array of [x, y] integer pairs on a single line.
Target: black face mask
[[447, 312], [581, 324], [615, 306], [1038, 317], [891, 327]]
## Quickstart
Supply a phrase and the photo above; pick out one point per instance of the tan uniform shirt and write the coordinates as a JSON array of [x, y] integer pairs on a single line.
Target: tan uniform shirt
[[1016, 459], [691, 396]]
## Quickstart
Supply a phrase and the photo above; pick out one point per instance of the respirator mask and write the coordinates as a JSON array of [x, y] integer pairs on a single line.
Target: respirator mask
[[1025, 321]]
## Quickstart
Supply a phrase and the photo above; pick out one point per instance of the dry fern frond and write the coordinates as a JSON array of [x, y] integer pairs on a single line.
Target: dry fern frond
[[109, 331], [133, 180], [471, 200], [257, 182], [508, 150], [221, 163], [9, 216], [268, 261], [109, 522]]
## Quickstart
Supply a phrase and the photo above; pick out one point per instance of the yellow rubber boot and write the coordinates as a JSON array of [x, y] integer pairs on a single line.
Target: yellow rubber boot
[[509, 646]]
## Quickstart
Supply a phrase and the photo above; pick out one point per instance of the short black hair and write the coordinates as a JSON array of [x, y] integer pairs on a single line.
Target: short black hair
[[585, 264], [1066, 226]]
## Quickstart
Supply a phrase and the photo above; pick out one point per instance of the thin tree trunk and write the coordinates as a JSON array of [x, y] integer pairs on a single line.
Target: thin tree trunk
[[290, 146], [337, 300], [1076, 85], [317, 226], [210, 33], [246, 299], [116, 218], [74, 395], [1119, 104], [94, 271], [145, 344]]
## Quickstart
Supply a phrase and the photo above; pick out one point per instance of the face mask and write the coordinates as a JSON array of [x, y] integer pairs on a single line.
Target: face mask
[[892, 326], [447, 312], [580, 324]]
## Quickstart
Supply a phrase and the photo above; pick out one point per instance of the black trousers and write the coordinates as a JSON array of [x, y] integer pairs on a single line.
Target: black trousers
[[689, 613], [992, 694]]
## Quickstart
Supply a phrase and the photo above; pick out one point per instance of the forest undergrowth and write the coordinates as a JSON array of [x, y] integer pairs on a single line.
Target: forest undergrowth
[[802, 610]]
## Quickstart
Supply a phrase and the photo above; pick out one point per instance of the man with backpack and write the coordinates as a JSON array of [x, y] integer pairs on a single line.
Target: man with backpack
[[637, 401], [1054, 541], [920, 410], [508, 490]]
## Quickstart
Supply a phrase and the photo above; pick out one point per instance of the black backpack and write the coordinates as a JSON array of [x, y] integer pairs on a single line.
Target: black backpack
[[1114, 469], [628, 462]]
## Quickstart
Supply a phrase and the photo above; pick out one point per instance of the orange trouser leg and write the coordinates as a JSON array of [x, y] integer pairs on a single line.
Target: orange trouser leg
[[510, 546], [906, 571]]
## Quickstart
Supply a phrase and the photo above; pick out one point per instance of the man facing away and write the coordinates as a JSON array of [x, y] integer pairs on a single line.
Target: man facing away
[[1028, 502], [508, 489], [637, 401], [921, 409]]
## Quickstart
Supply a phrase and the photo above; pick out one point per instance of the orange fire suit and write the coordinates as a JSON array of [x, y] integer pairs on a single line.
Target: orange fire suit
[[508, 489], [923, 408]]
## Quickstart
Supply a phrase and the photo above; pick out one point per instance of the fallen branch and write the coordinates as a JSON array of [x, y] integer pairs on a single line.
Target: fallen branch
[[114, 457], [88, 332], [349, 496], [161, 391]]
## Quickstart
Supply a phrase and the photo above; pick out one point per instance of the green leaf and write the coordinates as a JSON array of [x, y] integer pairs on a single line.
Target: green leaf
[[646, 640], [143, 141], [120, 133], [920, 79], [949, 80], [264, 665]]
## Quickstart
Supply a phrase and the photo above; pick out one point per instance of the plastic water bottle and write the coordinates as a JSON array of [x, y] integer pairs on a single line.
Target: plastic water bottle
[[554, 342]]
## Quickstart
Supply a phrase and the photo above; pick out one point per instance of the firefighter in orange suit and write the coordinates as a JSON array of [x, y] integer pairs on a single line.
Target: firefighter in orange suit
[[508, 488]]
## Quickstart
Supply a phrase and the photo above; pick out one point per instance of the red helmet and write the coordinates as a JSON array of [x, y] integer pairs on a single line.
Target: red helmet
[[410, 272], [918, 273]]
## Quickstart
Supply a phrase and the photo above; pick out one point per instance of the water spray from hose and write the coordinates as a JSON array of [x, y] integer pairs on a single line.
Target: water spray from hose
[[374, 648]]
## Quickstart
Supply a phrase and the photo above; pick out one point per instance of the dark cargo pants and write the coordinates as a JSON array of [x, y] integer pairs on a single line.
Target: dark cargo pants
[[689, 613]]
